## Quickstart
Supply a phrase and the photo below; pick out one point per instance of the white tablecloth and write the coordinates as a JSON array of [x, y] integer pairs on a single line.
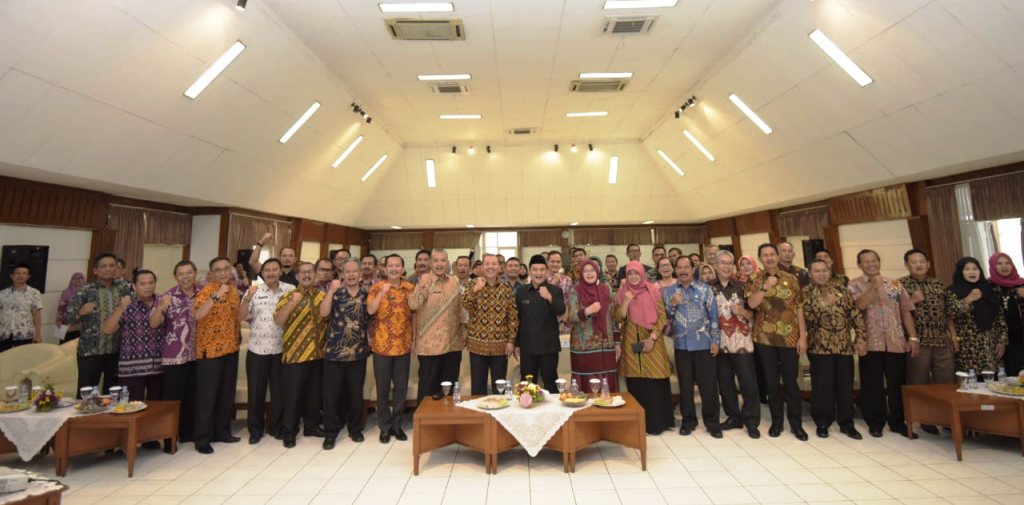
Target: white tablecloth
[[532, 427], [29, 430], [985, 391], [34, 488]]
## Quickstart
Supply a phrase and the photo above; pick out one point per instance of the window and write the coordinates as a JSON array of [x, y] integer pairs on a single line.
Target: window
[[504, 243], [1009, 240]]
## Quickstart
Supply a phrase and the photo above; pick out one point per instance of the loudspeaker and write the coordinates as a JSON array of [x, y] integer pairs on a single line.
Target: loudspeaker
[[726, 247], [811, 247], [244, 255], [36, 256]]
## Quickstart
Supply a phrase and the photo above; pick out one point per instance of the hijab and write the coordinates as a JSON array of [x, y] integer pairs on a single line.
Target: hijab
[[1008, 281], [69, 292], [989, 307], [644, 309], [594, 292], [752, 262]]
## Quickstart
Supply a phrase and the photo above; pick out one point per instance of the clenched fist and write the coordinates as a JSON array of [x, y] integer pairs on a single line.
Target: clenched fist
[[223, 290], [593, 308], [479, 284], [973, 296], [545, 294], [335, 285], [677, 299], [296, 297], [87, 309], [126, 301], [917, 296], [770, 282]]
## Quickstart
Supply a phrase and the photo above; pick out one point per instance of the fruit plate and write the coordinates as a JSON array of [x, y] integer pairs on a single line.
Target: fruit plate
[[122, 412], [493, 403], [1003, 390], [7, 409], [616, 402], [574, 403]]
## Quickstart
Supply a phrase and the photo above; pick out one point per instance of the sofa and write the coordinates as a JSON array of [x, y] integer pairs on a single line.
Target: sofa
[[56, 364]]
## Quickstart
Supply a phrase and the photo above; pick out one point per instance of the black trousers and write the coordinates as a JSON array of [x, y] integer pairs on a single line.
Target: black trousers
[[391, 371], [180, 386], [1014, 358], [541, 366], [436, 369], [91, 368], [146, 387], [262, 371], [733, 367], [480, 366], [781, 363], [9, 343], [700, 367], [831, 390], [216, 379], [879, 370], [302, 384], [343, 393]]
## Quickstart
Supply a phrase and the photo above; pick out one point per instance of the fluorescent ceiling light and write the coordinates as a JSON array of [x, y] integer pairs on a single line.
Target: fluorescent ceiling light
[[699, 146], [460, 116], [613, 170], [606, 75], [648, 222], [431, 177], [298, 124], [638, 4], [211, 73], [469, 226], [670, 162], [574, 223], [414, 7], [347, 152], [445, 77], [374, 167], [586, 114], [840, 58], [750, 114], [393, 227]]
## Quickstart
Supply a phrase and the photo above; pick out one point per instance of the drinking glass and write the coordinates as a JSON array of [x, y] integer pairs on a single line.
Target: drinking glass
[[500, 383], [446, 386], [10, 393], [595, 386], [560, 383]]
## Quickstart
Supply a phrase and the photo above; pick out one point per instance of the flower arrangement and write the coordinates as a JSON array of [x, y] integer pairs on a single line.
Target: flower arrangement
[[528, 393], [47, 400]]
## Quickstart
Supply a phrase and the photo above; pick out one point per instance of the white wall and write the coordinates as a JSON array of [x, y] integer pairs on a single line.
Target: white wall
[[721, 240], [310, 251], [356, 250], [750, 242], [205, 238], [891, 239], [69, 253], [161, 260]]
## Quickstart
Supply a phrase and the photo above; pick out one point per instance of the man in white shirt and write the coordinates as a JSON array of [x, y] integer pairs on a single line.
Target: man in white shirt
[[21, 308]]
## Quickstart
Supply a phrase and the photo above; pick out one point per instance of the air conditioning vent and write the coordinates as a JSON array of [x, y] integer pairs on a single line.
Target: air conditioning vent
[[450, 88], [425, 29], [523, 131], [634, 25], [601, 86]]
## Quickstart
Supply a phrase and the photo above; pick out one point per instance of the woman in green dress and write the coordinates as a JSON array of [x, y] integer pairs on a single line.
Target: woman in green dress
[[594, 349]]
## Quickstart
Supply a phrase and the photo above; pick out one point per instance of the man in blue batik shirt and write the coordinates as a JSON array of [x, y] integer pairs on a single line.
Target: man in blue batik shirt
[[691, 309]]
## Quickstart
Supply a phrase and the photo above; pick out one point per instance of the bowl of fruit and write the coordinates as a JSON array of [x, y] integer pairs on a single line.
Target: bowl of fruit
[[573, 400]]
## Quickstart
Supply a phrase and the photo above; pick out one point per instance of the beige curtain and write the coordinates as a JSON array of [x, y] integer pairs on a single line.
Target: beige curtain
[[129, 226], [592, 236], [997, 197], [639, 236], [456, 239], [540, 238], [679, 235], [944, 228], [388, 241], [809, 222], [244, 231], [168, 228]]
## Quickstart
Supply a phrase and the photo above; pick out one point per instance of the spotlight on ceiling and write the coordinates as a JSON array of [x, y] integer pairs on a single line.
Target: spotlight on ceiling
[[488, 149], [362, 113], [691, 101], [556, 148], [591, 147], [368, 120], [574, 148], [677, 114], [241, 4], [355, 108], [471, 150], [453, 149]]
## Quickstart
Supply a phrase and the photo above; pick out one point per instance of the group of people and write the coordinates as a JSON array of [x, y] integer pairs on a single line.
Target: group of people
[[314, 326]]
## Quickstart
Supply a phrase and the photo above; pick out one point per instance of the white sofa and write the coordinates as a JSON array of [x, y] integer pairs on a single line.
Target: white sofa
[[52, 363]]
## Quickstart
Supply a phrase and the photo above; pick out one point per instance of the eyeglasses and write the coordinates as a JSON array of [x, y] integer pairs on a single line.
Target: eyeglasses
[[325, 270]]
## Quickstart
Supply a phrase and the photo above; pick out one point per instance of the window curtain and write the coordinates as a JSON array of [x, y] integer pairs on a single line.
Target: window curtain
[[679, 235], [639, 236], [540, 238], [396, 241], [244, 231], [456, 239], [168, 228], [997, 198], [809, 222], [592, 236], [944, 227], [129, 227]]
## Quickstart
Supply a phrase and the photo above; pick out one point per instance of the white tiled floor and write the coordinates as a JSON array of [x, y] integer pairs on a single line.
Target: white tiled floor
[[681, 470]]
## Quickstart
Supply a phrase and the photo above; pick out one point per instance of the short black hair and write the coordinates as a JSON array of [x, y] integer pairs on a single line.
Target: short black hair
[[513, 258], [908, 254], [269, 261], [368, 255], [559, 253], [323, 260], [677, 250], [283, 249], [769, 246], [346, 251], [812, 262], [184, 263], [826, 251], [658, 247], [139, 272], [574, 250], [122, 263], [463, 258], [612, 256], [101, 256], [681, 258], [632, 245], [219, 258], [22, 265], [691, 255], [422, 251], [866, 251], [386, 258]]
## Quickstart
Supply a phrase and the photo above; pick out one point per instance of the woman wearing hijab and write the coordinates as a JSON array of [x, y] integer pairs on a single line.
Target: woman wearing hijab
[[594, 348], [76, 283], [982, 330], [707, 274], [644, 361], [747, 267], [1010, 286]]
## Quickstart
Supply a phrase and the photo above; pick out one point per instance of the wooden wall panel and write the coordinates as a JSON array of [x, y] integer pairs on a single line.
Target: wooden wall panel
[[38, 204], [337, 234], [721, 228], [757, 222], [831, 236], [680, 235], [882, 204]]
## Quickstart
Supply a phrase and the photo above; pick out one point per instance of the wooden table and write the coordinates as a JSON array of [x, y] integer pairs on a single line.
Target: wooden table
[[81, 435], [437, 424], [942, 405], [625, 425]]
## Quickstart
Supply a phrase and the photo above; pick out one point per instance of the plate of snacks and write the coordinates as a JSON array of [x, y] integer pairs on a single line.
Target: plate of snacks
[[609, 402], [493, 403], [574, 401], [129, 408], [66, 402], [1006, 389], [93, 405], [8, 407]]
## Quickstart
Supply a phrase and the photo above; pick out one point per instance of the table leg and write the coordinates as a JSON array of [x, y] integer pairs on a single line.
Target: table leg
[[641, 427], [416, 446], [958, 431], [130, 446], [908, 417], [1020, 425]]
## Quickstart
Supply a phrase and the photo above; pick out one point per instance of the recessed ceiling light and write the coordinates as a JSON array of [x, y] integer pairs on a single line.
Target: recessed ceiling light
[[415, 7], [241, 4], [298, 124], [444, 77], [670, 162], [648, 222], [698, 144], [638, 4], [574, 223], [606, 75], [586, 114], [393, 227], [573, 148], [613, 170], [374, 167], [471, 150], [840, 58], [469, 226], [347, 151], [211, 73], [750, 114], [431, 176], [460, 116]]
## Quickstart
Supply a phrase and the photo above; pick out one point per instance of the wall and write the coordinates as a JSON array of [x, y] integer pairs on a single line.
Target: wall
[[749, 243], [69, 253], [891, 239], [161, 260], [205, 240], [310, 251]]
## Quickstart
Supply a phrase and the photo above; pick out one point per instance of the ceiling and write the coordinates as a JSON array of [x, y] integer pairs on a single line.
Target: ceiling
[[91, 96]]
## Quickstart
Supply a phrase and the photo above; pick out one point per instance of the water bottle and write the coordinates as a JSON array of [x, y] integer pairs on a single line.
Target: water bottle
[[574, 388], [605, 390], [123, 400], [972, 380], [456, 393], [23, 394], [1001, 376], [95, 391]]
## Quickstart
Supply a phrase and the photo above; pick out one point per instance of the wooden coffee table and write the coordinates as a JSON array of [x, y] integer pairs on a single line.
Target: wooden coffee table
[[625, 425], [437, 424], [942, 405], [81, 435]]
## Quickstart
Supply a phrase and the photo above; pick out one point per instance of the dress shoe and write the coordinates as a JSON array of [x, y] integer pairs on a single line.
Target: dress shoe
[[683, 430], [316, 431], [800, 434], [152, 445], [289, 443], [329, 443], [204, 449], [875, 433], [731, 424], [357, 436], [254, 439], [852, 433], [385, 437], [775, 431], [753, 432], [399, 435], [911, 436], [716, 434], [230, 439], [930, 429], [822, 432]]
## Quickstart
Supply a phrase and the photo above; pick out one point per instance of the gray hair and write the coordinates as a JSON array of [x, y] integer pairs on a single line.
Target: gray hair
[[353, 260], [441, 251], [725, 252]]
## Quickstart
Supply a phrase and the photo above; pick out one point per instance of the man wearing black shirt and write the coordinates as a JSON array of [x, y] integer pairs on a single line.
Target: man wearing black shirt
[[537, 343], [633, 253], [287, 258]]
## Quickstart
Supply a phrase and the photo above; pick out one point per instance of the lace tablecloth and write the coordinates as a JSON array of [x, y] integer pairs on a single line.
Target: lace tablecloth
[[35, 488], [29, 430], [985, 391], [532, 427]]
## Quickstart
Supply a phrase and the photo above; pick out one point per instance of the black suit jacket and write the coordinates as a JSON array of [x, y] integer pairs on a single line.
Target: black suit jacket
[[538, 319]]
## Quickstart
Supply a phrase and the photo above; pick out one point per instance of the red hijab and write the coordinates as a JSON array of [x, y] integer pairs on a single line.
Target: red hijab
[[594, 292], [1007, 281], [644, 309]]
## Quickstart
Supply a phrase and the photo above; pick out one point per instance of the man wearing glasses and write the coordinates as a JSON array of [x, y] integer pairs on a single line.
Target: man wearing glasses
[[324, 274], [633, 252], [338, 262]]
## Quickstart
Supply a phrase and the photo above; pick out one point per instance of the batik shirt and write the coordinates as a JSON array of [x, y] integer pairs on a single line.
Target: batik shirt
[[695, 320], [438, 320], [180, 327], [493, 318], [835, 328], [884, 318], [733, 327], [92, 341], [141, 345], [16, 308], [776, 320], [265, 335], [392, 327], [219, 333], [304, 330], [346, 335], [931, 314]]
